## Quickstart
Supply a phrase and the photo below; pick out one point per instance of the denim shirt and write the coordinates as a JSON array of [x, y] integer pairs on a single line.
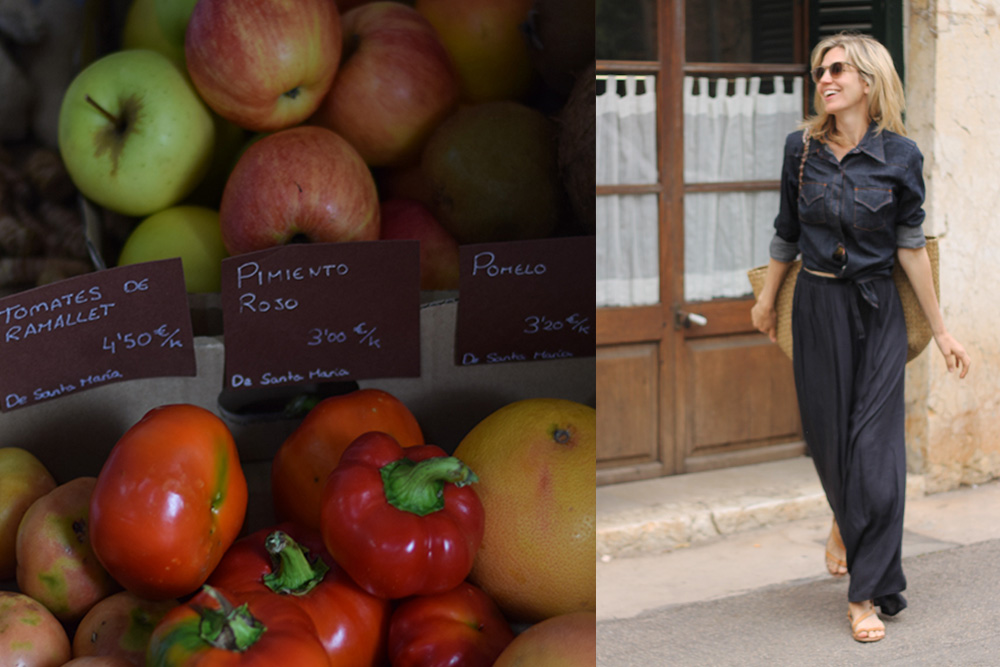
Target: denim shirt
[[871, 202]]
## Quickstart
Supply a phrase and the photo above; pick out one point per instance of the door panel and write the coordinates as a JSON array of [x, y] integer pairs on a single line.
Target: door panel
[[744, 393], [627, 395]]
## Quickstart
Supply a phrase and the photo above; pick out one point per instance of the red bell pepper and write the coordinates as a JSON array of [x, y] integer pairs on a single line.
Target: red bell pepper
[[291, 562], [401, 521]]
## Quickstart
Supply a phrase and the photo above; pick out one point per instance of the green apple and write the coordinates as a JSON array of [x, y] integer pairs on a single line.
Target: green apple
[[230, 141], [173, 16], [133, 133], [142, 30], [189, 232]]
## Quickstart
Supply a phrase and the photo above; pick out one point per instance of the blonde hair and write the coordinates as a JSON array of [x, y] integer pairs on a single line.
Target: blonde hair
[[886, 101]]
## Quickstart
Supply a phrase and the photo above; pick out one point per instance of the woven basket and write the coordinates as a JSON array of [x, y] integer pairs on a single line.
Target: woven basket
[[918, 330]]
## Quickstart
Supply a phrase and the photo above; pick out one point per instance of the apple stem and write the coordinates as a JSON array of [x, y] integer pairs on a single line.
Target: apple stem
[[107, 114]]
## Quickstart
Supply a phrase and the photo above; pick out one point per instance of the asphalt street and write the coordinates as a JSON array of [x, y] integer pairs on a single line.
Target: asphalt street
[[953, 619]]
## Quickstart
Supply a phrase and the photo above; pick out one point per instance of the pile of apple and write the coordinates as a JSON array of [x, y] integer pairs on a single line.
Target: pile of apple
[[270, 122]]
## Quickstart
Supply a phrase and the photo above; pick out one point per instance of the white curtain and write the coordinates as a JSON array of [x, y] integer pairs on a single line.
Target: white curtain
[[732, 137], [627, 234]]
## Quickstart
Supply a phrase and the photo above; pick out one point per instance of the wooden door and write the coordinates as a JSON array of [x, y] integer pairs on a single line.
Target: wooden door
[[674, 396], [686, 384]]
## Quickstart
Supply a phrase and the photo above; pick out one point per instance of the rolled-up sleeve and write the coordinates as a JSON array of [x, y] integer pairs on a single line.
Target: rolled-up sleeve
[[909, 224], [782, 250], [785, 244]]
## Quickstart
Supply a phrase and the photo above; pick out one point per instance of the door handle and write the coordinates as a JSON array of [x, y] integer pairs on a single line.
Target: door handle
[[686, 320]]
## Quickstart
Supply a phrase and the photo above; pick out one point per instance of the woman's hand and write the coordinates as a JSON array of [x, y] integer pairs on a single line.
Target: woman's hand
[[917, 265], [763, 315], [765, 319], [954, 354]]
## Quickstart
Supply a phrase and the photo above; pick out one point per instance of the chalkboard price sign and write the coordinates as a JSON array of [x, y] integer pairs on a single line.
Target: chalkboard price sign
[[322, 312], [526, 301], [117, 324]]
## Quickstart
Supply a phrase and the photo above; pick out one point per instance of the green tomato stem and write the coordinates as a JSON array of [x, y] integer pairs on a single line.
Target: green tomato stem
[[294, 572], [300, 406], [228, 628], [419, 487]]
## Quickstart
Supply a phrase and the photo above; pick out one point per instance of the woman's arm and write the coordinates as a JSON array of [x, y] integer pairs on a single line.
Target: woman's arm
[[763, 315], [917, 266]]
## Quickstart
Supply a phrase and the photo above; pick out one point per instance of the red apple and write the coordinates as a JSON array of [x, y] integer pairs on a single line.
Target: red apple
[[486, 41], [345, 5], [395, 83], [263, 65], [409, 219], [303, 183]]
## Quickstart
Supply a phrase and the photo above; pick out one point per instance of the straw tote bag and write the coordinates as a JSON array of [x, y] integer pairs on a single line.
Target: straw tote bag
[[918, 329]]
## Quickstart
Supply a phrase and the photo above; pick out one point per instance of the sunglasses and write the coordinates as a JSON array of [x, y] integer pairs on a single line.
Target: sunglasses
[[836, 69]]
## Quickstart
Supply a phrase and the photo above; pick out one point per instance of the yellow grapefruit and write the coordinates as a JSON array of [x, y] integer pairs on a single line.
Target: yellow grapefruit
[[569, 640], [536, 462]]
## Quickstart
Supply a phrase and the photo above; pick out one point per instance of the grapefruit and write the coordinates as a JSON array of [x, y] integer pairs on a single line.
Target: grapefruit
[[536, 462], [569, 640]]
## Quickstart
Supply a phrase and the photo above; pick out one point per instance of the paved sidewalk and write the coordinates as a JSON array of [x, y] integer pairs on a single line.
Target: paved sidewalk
[[952, 621], [706, 536], [658, 515]]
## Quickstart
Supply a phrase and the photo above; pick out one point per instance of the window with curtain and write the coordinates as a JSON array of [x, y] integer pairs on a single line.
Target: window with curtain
[[627, 224], [734, 130]]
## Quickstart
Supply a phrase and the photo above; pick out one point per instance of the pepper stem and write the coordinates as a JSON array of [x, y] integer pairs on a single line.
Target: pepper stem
[[418, 487], [228, 628], [294, 572]]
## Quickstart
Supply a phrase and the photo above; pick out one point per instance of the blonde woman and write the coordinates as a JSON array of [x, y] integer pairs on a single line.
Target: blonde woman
[[852, 195]]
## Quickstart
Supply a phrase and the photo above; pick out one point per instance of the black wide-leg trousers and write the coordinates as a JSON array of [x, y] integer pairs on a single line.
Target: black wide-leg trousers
[[849, 360]]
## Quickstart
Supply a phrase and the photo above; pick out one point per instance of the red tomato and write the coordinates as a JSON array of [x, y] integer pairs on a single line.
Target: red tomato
[[265, 630], [169, 501], [119, 626], [291, 561], [307, 457], [460, 627], [98, 661], [25, 480], [30, 636]]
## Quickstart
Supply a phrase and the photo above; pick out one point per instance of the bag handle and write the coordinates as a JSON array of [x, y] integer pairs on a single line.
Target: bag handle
[[805, 153]]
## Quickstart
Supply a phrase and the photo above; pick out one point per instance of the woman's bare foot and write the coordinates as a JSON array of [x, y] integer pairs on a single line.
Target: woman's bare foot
[[866, 626], [836, 554]]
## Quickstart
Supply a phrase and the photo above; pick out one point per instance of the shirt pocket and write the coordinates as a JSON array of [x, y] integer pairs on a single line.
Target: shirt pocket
[[873, 207], [812, 203]]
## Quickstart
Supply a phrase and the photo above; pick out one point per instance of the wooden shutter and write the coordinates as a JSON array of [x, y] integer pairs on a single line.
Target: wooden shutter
[[773, 31], [883, 19]]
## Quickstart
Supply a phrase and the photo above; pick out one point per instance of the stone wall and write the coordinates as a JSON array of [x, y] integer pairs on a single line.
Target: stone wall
[[954, 115]]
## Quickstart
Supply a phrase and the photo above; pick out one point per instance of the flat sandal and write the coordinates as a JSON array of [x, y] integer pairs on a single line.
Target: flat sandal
[[855, 632]]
